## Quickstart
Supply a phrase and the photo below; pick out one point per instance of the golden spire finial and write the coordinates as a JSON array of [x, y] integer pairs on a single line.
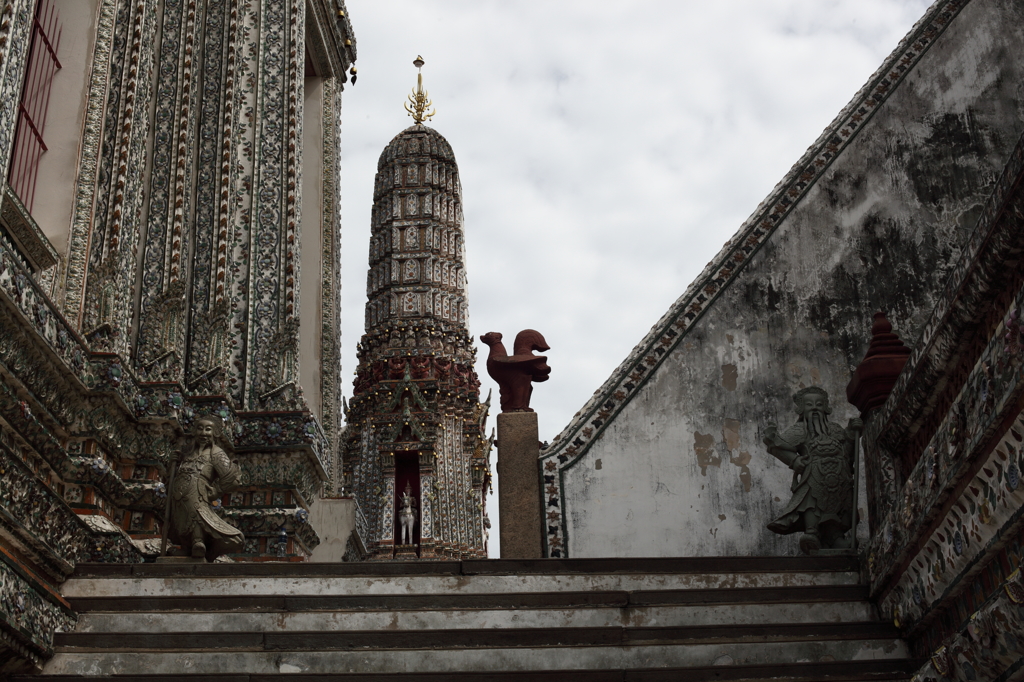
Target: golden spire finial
[[418, 98]]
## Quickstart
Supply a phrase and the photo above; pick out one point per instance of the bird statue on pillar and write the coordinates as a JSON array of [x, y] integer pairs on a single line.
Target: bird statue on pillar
[[515, 374]]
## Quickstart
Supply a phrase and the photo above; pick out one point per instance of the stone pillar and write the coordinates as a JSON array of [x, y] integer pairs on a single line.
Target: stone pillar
[[519, 486]]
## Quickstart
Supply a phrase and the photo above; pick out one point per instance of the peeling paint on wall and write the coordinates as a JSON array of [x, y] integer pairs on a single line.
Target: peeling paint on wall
[[731, 434], [704, 445], [729, 376], [742, 460]]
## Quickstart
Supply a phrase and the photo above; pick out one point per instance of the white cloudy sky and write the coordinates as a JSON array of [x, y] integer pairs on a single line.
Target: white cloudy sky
[[607, 150]]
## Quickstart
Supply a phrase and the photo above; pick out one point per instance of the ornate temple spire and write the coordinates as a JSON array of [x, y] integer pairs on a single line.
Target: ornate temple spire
[[419, 99], [415, 418]]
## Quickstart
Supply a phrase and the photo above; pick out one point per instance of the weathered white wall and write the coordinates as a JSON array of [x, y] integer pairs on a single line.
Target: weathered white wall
[[681, 469], [311, 225], [334, 519], [55, 185]]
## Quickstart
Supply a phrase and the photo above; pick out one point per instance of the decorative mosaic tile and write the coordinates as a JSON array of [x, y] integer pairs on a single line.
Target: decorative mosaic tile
[[987, 399]]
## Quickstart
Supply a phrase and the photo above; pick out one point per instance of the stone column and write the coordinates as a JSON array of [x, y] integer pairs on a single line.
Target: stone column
[[519, 486]]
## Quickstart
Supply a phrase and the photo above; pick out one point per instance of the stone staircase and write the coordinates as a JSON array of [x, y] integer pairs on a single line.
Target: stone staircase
[[777, 618]]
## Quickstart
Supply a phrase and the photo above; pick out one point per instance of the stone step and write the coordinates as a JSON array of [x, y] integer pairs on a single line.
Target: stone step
[[881, 656], [844, 671], [329, 586], [76, 588], [194, 620], [193, 597], [467, 567], [778, 618], [346, 640], [855, 671]]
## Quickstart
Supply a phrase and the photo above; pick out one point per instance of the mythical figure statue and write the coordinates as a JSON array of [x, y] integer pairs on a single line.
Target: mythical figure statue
[[202, 475], [821, 455], [407, 514], [420, 366], [515, 373]]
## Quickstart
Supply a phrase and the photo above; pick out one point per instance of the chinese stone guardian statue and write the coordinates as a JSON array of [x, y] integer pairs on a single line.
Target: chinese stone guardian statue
[[821, 455], [202, 475]]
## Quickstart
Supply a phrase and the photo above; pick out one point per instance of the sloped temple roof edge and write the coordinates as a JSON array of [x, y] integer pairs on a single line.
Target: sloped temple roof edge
[[569, 446]]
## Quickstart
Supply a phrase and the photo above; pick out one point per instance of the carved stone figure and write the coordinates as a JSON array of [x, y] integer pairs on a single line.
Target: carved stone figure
[[407, 514], [443, 367], [516, 373], [420, 366], [821, 455], [203, 474], [459, 374]]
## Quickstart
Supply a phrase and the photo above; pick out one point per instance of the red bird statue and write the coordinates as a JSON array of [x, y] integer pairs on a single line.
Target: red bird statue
[[516, 373]]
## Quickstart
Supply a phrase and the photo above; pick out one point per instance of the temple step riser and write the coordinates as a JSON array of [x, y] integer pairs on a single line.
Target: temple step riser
[[449, 602], [327, 586], [658, 616], [297, 640], [481, 659]]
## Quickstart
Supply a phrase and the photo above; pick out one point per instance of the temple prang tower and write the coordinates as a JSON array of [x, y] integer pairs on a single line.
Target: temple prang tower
[[415, 419]]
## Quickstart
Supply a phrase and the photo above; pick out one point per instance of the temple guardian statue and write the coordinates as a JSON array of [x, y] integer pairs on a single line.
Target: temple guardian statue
[[821, 455], [203, 474], [407, 515]]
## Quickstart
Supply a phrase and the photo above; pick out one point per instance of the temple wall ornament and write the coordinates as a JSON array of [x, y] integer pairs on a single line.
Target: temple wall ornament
[[204, 161], [992, 497], [71, 289], [980, 379], [114, 238], [31, 616], [876, 375], [330, 275], [871, 385], [821, 454], [988, 646]]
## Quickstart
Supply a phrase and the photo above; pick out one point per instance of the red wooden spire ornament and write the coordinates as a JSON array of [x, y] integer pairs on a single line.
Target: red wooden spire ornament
[[876, 374]]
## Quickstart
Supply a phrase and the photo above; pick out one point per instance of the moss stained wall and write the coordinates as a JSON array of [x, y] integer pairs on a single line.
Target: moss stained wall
[[679, 468]]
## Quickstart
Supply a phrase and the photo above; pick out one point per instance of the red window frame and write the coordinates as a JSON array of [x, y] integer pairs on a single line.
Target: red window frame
[[35, 102]]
